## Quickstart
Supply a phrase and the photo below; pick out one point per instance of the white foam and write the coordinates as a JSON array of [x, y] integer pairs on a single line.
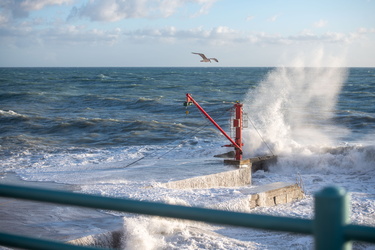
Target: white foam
[[151, 233], [10, 113]]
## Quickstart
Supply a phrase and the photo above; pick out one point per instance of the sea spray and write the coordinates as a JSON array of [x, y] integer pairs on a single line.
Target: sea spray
[[144, 233], [295, 111], [151, 233], [293, 107]]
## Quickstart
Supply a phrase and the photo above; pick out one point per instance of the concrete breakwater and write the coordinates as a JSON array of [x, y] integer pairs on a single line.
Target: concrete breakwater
[[232, 178]]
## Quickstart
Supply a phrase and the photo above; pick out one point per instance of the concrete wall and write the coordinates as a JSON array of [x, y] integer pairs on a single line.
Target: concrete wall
[[262, 196], [273, 194], [233, 178]]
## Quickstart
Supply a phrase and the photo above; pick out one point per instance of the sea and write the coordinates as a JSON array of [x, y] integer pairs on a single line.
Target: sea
[[122, 132]]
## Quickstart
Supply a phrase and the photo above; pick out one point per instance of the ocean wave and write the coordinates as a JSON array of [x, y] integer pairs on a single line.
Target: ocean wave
[[9, 113], [103, 76], [356, 119], [17, 96], [12, 115], [351, 159], [142, 102]]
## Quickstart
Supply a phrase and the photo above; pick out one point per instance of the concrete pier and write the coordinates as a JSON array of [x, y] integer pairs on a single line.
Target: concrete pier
[[232, 178]]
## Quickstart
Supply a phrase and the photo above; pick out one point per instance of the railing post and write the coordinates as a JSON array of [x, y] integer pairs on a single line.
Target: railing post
[[332, 213]]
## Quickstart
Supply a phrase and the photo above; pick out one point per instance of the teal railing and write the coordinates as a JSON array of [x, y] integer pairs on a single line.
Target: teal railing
[[330, 228]]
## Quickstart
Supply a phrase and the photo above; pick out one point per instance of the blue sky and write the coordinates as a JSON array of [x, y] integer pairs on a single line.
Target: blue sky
[[132, 33]]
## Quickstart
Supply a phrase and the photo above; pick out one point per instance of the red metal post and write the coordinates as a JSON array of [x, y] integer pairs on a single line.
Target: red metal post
[[237, 123]]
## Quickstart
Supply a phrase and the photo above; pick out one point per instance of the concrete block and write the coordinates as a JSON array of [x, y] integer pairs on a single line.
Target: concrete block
[[273, 194], [281, 199], [232, 178]]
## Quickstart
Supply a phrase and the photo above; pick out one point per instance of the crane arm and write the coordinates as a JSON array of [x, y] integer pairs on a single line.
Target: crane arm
[[190, 99]]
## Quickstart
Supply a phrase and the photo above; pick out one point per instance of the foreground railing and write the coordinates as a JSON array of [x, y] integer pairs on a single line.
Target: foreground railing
[[330, 227]]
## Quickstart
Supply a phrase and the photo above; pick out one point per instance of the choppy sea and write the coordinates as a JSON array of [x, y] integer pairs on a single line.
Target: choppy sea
[[113, 131]]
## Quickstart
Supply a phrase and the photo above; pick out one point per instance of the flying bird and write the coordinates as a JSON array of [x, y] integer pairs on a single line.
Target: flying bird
[[205, 59]]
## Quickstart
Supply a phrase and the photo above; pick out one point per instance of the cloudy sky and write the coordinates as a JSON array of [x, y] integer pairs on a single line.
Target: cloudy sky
[[117, 33]]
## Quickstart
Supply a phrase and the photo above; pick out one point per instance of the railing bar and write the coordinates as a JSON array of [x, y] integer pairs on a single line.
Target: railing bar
[[18, 241], [267, 222], [360, 233]]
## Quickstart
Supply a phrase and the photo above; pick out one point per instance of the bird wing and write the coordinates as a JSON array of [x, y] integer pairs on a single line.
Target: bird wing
[[214, 59], [202, 55]]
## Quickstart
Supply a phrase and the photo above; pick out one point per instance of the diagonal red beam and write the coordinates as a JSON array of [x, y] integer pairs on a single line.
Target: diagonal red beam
[[189, 98]]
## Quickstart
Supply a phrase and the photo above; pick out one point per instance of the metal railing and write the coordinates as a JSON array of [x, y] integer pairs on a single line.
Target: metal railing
[[330, 228]]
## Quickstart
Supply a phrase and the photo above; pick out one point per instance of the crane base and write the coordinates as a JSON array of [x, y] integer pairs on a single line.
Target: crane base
[[256, 163]]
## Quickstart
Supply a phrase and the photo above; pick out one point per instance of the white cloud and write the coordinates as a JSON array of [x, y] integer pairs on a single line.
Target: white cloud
[[30, 5], [249, 18], [205, 6], [4, 17], [21, 8], [116, 10], [220, 35], [273, 18], [24, 36], [223, 35], [365, 30], [330, 37], [29, 32], [319, 24], [111, 10], [77, 34]]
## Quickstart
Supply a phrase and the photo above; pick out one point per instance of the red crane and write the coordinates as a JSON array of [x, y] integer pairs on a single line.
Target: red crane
[[237, 124]]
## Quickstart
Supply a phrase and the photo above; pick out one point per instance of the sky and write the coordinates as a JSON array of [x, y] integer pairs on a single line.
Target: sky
[[163, 33]]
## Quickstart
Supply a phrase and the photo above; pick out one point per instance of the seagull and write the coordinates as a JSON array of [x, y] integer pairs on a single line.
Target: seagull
[[205, 59]]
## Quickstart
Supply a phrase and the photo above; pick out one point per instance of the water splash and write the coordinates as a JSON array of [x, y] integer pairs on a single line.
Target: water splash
[[293, 106]]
